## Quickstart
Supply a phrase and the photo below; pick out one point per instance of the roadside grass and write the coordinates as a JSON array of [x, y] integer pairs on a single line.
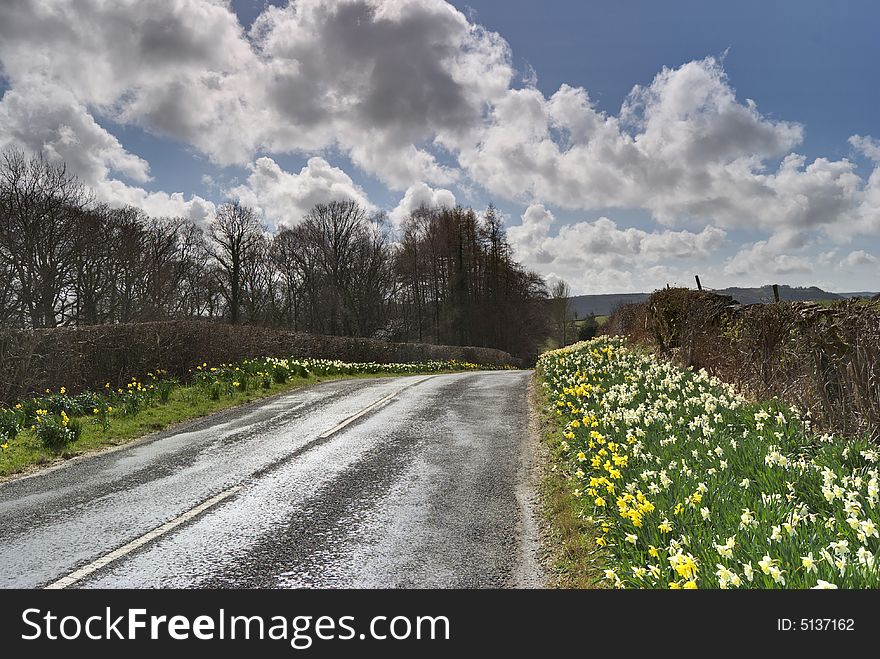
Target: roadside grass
[[185, 403], [570, 540]]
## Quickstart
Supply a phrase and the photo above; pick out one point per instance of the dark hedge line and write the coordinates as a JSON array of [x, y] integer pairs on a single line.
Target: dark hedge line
[[88, 357], [822, 358]]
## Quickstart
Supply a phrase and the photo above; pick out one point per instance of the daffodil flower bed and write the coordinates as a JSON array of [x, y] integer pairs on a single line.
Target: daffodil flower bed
[[38, 428], [694, 486]]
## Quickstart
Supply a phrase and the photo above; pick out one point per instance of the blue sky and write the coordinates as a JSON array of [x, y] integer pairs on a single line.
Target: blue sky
[[811, 61], [701, 182]]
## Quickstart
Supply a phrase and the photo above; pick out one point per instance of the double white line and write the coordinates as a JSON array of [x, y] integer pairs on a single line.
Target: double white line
[[357, 415], [159, 531]]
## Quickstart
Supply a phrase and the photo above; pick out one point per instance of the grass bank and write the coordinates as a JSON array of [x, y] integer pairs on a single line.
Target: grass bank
[[569, 540], [688, 484]]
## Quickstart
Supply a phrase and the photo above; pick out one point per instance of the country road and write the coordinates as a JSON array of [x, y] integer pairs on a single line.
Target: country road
[[420, 481]]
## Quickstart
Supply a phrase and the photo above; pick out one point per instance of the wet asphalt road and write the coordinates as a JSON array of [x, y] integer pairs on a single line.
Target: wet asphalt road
[[429, 487]]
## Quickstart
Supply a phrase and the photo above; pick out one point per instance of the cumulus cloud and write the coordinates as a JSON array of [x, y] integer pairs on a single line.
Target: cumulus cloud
[[177, 68], [382, 78], [867, 217], [285, 198], [867, 146], [157, 204], [396, 83], [40, 118], [857, 258], [762, 258], [421, 194], [599, 256], [683, 148], [418, 95]]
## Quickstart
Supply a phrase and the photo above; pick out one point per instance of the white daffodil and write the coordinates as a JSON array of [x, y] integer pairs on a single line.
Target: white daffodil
[[824, 585], [724, 576], [809, 563], [840, 548], [776, 575], [766, 563]]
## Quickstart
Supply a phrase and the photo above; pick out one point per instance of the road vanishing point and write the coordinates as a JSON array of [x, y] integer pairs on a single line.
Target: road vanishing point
[[405, 482]]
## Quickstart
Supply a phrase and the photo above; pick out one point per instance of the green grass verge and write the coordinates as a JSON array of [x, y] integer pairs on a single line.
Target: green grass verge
[[570, 539], [27, 454]]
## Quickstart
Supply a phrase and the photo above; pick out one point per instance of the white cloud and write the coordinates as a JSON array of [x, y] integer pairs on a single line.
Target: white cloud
[[867, 218], [48, 119], [157, 204], [419, 96], [599, 256], [763, 260], [867, 146], [380, 78], [395, 83], [857, 258], [285, 198], [421, 194], [388, 81], [683, 148]]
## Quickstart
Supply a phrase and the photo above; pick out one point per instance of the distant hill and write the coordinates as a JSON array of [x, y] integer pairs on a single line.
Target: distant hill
[[786, 294], [603, 305]]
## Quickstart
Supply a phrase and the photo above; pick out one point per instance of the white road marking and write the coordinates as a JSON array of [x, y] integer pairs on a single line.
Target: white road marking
[[116, 554], [159, 531], [369, 408]]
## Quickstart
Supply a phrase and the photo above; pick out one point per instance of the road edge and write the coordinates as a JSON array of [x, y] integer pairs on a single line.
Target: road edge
[[569, 550]]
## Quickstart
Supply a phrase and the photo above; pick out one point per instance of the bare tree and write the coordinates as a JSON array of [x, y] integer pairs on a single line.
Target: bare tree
[[561, 311], [284, 253], [93, 267], [458, 283], [40, 202], [233, 238], [448, 278]]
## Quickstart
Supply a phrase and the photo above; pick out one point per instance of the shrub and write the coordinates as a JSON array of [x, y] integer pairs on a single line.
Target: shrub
[[56, 431], [588, 328], [102, 412], [11, 422], [164, 389], [280, 373]]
